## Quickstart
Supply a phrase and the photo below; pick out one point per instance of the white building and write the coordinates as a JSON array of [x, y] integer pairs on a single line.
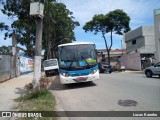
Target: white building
[[140, 45], [141, 40], [157, 33]]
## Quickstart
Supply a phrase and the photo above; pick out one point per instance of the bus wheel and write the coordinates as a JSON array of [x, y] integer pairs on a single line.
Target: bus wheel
[[46, 73]]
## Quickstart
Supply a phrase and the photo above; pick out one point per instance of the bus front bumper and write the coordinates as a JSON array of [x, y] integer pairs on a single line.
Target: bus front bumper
[[78, 79]]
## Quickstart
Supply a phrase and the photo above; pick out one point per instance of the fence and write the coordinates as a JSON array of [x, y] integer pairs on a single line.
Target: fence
[[5, 67], [8, 69], [131, 61]]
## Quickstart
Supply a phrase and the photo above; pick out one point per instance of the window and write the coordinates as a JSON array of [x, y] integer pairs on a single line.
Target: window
[[158, 64], [133, 42]]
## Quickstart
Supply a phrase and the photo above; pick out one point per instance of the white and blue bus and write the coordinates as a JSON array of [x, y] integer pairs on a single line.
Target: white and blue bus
[[77, 62]]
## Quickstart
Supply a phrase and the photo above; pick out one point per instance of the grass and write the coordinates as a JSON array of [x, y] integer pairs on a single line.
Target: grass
[[37, 100]]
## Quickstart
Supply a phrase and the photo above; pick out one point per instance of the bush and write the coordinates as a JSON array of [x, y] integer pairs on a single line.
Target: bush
[[44, 82]]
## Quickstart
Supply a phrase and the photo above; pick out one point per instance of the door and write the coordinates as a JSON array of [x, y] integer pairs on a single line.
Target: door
[[157, 68]]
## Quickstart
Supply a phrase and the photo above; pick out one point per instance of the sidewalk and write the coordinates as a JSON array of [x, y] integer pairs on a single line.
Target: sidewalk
[[11, 90], [134, 71], [14, 88]]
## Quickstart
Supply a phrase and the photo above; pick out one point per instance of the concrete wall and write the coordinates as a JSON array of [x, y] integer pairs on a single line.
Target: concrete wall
[[139, 44], [157, 33], [133, 34], [13, 66], [131, 61], [145, 40], [149, 47], [5, 67]]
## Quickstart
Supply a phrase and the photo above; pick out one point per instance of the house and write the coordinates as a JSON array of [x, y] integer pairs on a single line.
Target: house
[[141, 40], [114, 55], [157, 33], [140, 44]]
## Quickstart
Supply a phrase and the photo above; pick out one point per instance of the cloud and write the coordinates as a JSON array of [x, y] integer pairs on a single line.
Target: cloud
[[84, 10], [140, 12], [82, 36]]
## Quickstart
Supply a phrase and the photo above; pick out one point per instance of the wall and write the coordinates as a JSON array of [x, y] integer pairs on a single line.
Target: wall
[[133, 34], [139, 44], [26, 64], [149, 46], [5, 67], [145, 40], [157, 33], [131, 61]]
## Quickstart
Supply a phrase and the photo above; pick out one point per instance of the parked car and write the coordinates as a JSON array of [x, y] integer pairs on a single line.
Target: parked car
[[104, 67], [153, 70], [50, 66]]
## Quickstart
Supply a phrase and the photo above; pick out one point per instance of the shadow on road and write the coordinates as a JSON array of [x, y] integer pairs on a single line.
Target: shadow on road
[[56, 85], [156, 77], [20, 91]]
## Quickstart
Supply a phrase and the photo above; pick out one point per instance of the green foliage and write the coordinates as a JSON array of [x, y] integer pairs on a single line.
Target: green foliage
[[5, 50], [115, 21], [58, 24], [97, 24], [118, 22], [58, 27], [37, 100], [24, 25], [3, 26], [36, 94]]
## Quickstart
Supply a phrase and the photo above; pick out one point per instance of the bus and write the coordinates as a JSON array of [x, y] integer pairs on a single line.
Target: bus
[[77, 62]]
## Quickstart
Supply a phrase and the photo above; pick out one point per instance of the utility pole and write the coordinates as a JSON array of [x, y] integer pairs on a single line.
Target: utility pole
[[36, 10], [14, 55], [122, 47], [38, 48]]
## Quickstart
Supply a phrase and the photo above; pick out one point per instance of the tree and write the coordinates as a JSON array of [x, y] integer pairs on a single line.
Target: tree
[[24, 26], [58, 24], [6, 50], [116, 21]]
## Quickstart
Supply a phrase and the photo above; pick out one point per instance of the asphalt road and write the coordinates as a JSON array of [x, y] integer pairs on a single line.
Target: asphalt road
[[104, 95]]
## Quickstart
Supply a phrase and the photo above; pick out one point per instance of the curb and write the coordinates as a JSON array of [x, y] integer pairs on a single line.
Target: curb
[[59, 107], [138, 72]]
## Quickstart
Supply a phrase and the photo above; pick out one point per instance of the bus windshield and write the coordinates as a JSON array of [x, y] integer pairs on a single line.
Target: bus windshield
[[77, 56]]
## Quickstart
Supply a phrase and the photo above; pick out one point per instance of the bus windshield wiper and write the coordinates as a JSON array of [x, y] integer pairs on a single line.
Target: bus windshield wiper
[[85, 61], [72, 62]]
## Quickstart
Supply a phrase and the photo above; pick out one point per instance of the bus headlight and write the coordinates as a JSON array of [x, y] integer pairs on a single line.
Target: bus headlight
[[64, 74], [94, 71]]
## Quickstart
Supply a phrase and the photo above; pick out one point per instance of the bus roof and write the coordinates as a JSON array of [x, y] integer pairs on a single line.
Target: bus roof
[[75, 43]]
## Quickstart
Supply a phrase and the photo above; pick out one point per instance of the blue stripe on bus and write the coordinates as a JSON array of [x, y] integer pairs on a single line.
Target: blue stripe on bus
[[78, 72]]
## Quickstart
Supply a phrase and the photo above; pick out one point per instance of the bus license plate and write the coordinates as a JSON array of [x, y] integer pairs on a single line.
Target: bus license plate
[[81, 78]]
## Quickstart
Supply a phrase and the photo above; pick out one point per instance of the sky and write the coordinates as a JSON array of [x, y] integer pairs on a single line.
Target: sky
[[140, 12]]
